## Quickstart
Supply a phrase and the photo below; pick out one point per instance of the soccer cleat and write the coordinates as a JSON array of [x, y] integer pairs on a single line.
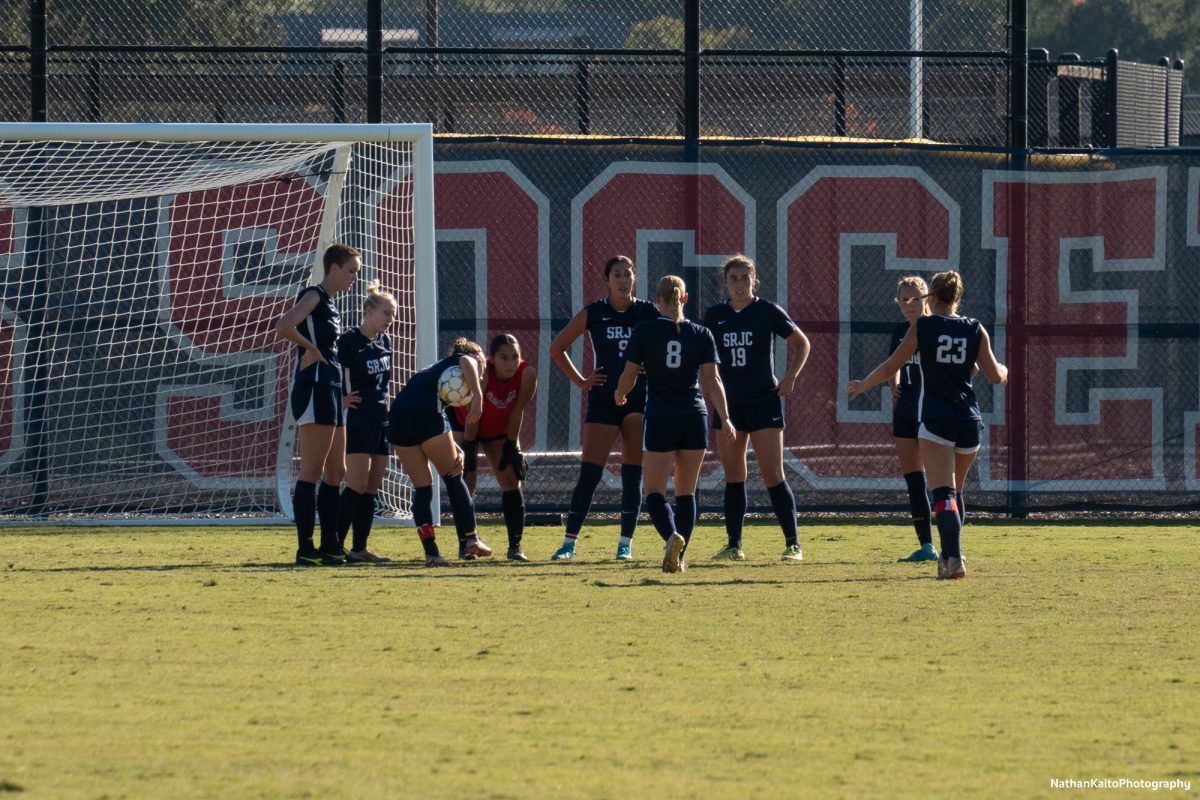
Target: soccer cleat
[[952, 569], [436, 561], [478, 548], [792, 553], [730, 553], [317, 558], [564, 553], [924, 553], [515, 554], [672, 551], [463, 555], [624, 552], [365, 556], [682, 565]]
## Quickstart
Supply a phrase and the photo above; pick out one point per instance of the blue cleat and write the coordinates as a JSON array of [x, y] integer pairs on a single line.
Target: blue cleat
[[624, 552], [924, 553], [564, 553]]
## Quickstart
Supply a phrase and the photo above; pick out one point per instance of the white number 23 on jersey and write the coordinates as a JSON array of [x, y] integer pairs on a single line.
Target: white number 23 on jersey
[[951, 350]]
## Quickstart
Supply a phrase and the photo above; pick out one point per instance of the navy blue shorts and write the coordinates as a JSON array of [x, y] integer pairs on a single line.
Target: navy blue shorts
[[369, 439], [409, 427], [675, 432], [317, 404], [754, 415], [964, 435], [602, 413], [905, 427]]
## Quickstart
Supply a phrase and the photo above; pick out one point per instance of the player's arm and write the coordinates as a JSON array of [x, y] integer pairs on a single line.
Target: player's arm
[[628, 380], [350, 398], [524, 395], [996, 372], [470, 372], [288, 327], [888, 368], [797, 354], [714, 392], [558, 352]]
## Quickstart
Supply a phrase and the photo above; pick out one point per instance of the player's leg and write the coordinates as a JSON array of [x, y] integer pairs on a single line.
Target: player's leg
[[687, 475], [937, 454], [416, 466], [358, 472], [768, 451], [632, 429], [733, 464], [364, 512], [333, 472], [657, 466], [313, 442], [597, 444], [512, 499], [962, 465], [908, 450], [446, 458]]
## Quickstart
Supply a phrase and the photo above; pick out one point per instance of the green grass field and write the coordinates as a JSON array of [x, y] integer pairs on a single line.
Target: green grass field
[[187, 662]]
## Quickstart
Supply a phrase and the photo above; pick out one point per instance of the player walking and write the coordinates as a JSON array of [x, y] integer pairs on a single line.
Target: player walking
[[609, 324], [365, 353], [680, 359], [508, 386], [417, 430], [949, 346], [906, 389], [744, 327], [313, 325]]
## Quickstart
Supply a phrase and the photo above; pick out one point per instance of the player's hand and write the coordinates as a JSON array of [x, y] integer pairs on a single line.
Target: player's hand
[[511, 456], [470, 455], [311, 356], [619, 397], [457, 467], [727, 429], [854, 389], [786, 387], [597, 378], [351, 400]]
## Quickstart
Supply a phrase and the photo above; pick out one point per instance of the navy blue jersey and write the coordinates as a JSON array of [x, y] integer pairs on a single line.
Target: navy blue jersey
[[321, 328], [672, 360], [610, 331], [948, 347], [910, 378], [367, 364], [744, 340], [421, 390]]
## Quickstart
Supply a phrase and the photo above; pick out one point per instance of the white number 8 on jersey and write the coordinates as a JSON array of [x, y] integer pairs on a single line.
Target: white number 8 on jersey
[[674, 354]]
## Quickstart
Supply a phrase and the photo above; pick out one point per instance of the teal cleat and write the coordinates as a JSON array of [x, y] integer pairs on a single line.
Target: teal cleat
[[730, 553], [564, 553], [624, 552], [924, 553]]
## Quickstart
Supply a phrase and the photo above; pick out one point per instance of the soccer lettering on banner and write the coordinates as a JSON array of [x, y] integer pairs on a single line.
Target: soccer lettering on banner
[[821, 221], [506, 219], [231, 261], [12, 343], [631, 205], [1084, 422]]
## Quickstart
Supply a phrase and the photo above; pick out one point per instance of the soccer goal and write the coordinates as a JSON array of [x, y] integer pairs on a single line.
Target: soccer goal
[[144, 268]]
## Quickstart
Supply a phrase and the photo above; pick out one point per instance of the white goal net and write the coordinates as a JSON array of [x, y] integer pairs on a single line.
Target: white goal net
[[144, 269]]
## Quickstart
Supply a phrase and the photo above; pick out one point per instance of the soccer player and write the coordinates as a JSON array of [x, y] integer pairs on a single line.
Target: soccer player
[[906, 388], [508, 386], [417, 430], [680, 359], [744, 327], [950, 431], [608, 323], [366, 357], [313, 325]]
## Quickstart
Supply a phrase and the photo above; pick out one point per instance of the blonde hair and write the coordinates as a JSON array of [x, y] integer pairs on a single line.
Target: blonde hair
[[745, 262], [946, 287], [376, 295], [671, 290], [914, 281]]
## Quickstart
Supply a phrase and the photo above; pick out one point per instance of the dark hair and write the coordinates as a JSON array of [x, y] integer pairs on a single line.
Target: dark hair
[[339, 254], [744, 261], [500, 340], [464, 347], [612, 262], [946, 287]]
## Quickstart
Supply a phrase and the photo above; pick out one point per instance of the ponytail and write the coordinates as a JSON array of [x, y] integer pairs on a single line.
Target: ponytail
[[946, 287], [671, 290]]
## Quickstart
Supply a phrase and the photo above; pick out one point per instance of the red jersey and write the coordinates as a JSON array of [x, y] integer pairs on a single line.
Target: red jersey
[[499, 398]]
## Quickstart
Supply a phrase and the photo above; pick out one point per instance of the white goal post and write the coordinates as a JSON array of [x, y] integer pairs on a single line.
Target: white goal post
[[141, 379]]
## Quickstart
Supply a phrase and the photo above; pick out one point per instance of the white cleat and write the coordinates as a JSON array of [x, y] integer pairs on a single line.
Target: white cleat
[[672, 552]]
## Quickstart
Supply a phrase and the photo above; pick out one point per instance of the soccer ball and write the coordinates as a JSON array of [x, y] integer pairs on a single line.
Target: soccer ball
[[452, 388]]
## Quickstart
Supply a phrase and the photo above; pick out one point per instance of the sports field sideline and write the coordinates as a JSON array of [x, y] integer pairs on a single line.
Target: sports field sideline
[[198, 662]]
